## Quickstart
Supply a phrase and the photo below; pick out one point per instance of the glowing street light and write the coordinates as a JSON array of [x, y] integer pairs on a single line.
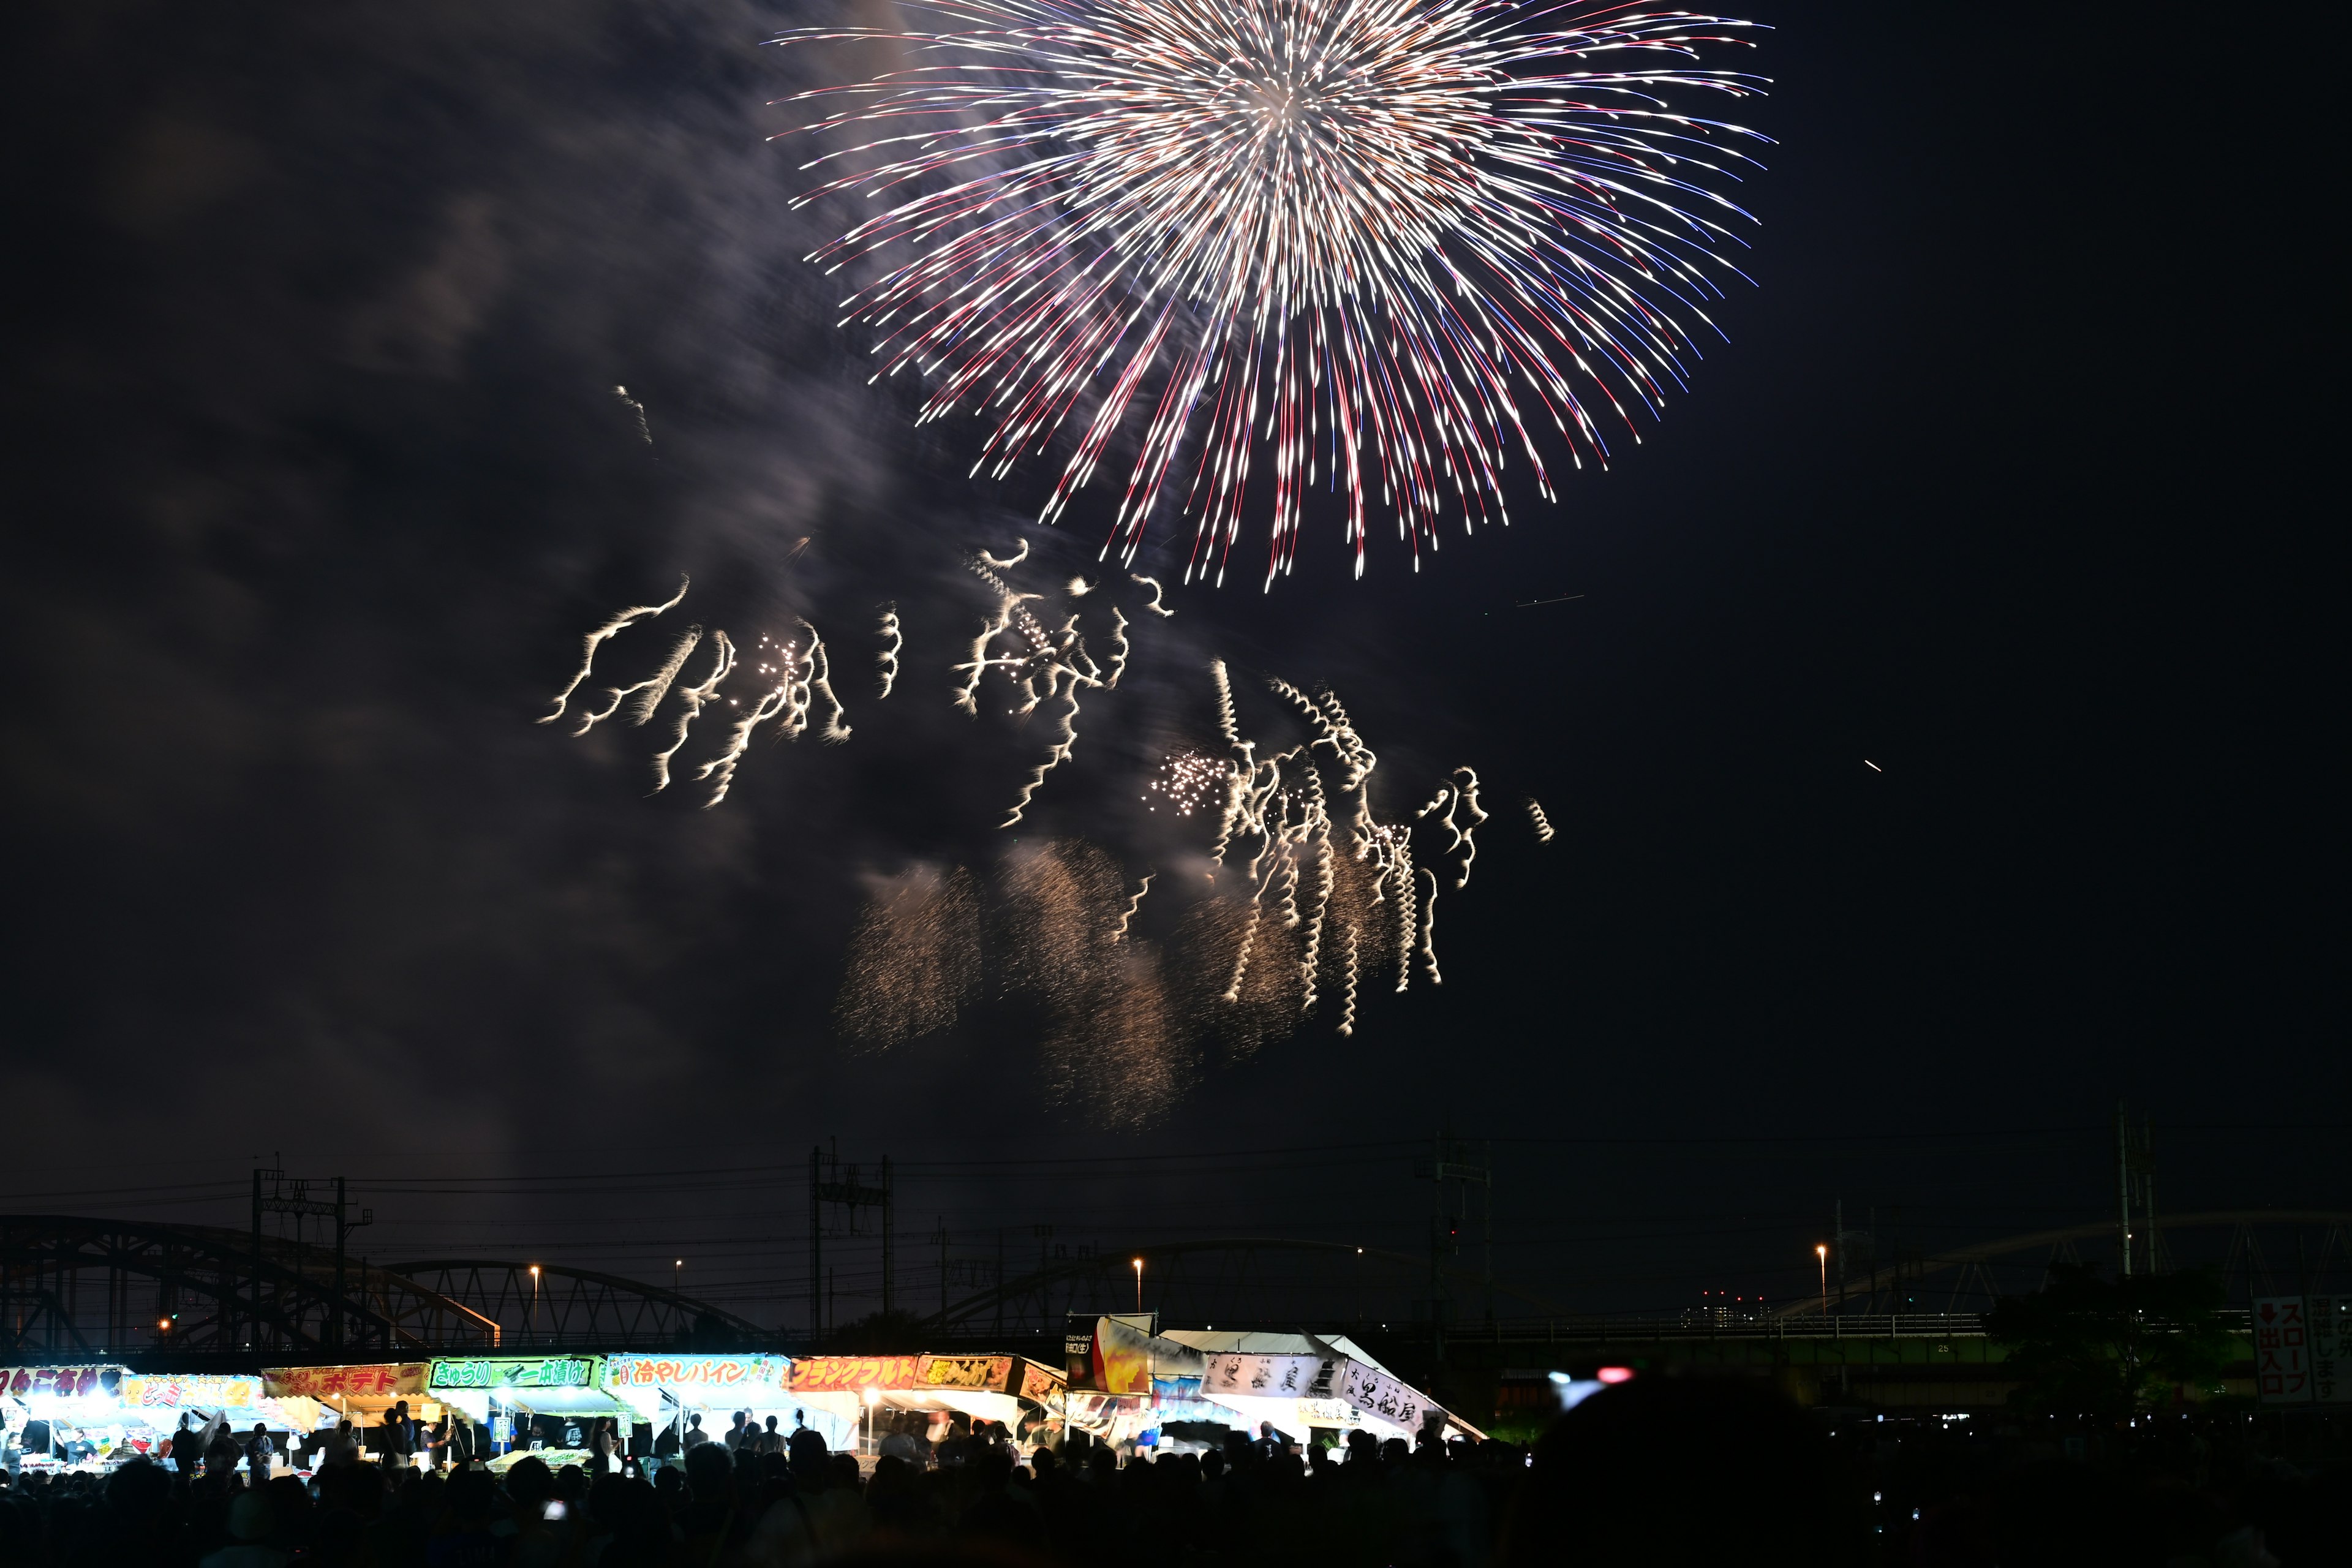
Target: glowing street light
[[1822, 1251], [1138, 1286], [530, 1328]]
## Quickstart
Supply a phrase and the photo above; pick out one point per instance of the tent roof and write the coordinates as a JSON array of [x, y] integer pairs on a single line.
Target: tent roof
[[1241, 1341]]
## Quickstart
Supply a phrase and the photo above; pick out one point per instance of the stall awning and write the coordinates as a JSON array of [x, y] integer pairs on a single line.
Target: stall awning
[[551, 1385]]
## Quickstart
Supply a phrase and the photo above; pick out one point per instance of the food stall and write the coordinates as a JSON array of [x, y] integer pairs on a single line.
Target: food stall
[[667, 1391], [1129, 1387], [99, 1416], [526, 1402], [316, 1398], [835, 1394]]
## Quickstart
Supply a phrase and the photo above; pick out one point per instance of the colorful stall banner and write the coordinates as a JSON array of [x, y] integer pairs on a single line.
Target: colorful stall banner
[[855, 1373], [517, 1372], [1041, 1386], [389, 1381], [1269, 1376], [65, 1382], [1126, 1358], [201, 1391], [988, 1374], [683, 1372]]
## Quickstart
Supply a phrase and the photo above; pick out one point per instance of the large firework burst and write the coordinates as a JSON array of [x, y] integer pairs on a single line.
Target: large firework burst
[[1369, 242]]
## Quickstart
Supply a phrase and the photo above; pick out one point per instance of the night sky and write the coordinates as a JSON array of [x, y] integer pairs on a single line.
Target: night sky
[[316, 478]]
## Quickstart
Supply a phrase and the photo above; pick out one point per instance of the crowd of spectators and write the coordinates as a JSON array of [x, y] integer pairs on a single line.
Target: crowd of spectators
[[1652, 1472]]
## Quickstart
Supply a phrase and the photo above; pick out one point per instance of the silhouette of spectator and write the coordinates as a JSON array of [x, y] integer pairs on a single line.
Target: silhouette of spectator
[[1674, 1471]]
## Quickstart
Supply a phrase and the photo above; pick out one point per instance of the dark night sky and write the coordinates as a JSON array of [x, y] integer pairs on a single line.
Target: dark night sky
[[315, 478]]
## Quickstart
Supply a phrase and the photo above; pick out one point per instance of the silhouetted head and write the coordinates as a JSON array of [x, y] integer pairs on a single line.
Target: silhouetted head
[[531, 1483], [1669, 1471], [710, 1472]]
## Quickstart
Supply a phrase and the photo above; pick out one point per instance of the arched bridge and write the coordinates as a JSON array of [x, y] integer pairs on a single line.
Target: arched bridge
[[77, 1286]]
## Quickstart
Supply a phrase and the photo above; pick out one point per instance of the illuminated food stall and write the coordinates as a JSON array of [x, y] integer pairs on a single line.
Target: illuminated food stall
[[101, 1415], [1128, 1386], [667, 1391], [835, 1394], [316, 1398], [506, 1395]]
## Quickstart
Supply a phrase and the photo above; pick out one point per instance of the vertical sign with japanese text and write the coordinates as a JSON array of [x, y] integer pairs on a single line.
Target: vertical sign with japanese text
[[2331, 1348], [2282, 1350]]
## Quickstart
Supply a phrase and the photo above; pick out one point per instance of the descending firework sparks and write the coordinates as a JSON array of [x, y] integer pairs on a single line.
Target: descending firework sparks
[[1010, 562], [692, 700], [645, 431], [1134, 904], [914, 959], [603, 634], [1381, 240], [1347, 1001], [889, 658], [1543, 823]]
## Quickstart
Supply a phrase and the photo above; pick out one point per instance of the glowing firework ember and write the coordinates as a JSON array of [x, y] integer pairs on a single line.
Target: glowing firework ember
[[1364, 242], [1186, 781]]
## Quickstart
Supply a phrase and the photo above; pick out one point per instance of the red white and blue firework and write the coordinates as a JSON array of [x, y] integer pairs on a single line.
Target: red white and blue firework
[[1371, 244]]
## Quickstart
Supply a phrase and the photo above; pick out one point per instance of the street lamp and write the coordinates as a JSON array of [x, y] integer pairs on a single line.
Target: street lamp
[[531, 1329], [675, 1269], [1138, 1286], [1822, 1251]]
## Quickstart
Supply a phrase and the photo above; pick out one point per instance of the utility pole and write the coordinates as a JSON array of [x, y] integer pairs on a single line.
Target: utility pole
[[889, 1210], [1451, 1165], [276, 1192], [2123, 1196], [1837, 1234], [942, 1238], [828, 1184], [816, 1254], [253, 1304]]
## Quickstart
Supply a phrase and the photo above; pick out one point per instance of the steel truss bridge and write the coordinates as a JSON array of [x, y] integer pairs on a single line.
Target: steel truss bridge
[[74, 1287]]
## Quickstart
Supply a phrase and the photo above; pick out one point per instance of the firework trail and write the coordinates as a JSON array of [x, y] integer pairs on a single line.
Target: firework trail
[[645, 431], [1372, 246], [1007, 564], [610, 629], [820, 680], [692, 700], [1241, 962], [1134, 904], [1044, 666], [1156, 607], [649, 691], [889, 658], [1347, 1006], [1406, 884], [1543, 823], [720, 769], [1456, 800], [1429, 929]]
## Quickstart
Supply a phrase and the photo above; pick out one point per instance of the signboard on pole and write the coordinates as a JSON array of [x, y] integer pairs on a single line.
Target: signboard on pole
[[2282, 1350]]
